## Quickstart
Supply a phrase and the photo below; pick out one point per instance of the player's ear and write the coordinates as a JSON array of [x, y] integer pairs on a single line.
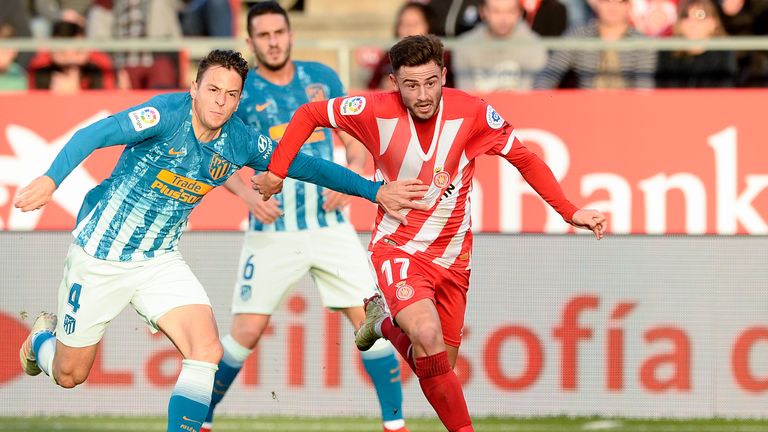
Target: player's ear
[[445, 74], [393, 80], [193, 89]]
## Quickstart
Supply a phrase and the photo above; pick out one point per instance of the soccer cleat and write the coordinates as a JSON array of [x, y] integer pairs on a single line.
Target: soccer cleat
[[44, 322], [375, 313]]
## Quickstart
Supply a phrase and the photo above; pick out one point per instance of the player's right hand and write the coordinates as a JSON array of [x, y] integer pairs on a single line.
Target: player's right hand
[[267, 184], [399, 196], [36, 194], [265, 212]]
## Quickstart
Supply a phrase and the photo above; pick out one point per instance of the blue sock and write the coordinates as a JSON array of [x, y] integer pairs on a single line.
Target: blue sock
[[229, 366], [191, 396], [44, 362], [224, 378], [384, 370]]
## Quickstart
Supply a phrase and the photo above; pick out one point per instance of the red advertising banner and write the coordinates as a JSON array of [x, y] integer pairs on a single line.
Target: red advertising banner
[[688, 162]]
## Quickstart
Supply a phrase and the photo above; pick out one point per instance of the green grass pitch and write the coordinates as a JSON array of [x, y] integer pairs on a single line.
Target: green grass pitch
[[349, 424]]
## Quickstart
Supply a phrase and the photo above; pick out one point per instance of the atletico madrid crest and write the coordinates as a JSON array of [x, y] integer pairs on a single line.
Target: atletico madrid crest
[[218, 167]]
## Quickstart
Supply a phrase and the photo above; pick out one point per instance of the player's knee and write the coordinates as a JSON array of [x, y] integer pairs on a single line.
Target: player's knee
[[210, 352], [247, 333], [69, 378], [428, 335]]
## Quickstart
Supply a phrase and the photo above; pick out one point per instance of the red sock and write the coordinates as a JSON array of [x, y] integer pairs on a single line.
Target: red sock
[[443, 391], [399, 340]]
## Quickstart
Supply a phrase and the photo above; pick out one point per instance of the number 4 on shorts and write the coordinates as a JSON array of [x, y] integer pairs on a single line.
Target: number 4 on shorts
[[73, 299]]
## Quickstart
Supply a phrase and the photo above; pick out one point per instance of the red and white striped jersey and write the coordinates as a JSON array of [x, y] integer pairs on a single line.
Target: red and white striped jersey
[[464, 127]]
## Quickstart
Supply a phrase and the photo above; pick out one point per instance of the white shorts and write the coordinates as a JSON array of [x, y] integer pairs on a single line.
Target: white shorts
[[94, 291], [271, 264]]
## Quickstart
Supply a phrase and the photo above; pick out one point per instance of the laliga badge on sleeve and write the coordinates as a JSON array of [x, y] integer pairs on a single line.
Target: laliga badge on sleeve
[[352, 105], [144, 118], [493, 118]]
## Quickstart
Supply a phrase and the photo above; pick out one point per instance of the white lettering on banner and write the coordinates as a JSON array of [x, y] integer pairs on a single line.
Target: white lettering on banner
[[512, 187], [618, 204], [695, 196], [733, 208]]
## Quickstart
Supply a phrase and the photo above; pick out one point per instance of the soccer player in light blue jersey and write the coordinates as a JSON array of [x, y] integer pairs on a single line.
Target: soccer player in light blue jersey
[[178, 147], [303, 228]]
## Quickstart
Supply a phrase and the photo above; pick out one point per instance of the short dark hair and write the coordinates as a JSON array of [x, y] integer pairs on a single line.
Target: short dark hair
[[264, 8], [67, 29], [419, 7], [416, 51], [229, 59]]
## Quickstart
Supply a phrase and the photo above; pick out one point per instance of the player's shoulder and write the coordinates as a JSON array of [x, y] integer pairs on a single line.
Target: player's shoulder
[[165, 111]]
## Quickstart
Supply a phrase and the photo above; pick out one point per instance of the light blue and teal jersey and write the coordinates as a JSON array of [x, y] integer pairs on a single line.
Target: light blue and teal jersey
[[141, 210], [269, 107]]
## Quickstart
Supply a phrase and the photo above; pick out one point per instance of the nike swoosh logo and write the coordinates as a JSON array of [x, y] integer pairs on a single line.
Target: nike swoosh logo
[[173, 152], [185, 418], [262, 107]]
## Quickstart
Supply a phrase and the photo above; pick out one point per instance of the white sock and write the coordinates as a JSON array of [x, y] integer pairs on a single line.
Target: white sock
[[45, 355], [394, 424], [234, 353], [196, 381]]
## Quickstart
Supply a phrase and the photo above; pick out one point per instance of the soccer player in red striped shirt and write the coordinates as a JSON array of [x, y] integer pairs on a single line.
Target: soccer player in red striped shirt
[[432, 133]]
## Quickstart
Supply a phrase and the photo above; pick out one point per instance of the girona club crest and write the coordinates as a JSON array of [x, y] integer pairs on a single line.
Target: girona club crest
[[403, 291], [218, 167], [441, 179]]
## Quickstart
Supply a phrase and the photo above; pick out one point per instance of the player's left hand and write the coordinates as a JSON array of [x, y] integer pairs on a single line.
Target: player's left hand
[[591, 220], [267, 184], [396, 196], [334, 200], [36, 194]]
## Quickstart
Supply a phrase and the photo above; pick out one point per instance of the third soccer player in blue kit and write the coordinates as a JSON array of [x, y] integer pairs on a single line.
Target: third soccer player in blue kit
[[303, 228]]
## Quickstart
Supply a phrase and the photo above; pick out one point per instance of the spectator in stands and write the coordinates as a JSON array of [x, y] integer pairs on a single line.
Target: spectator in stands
[[747, 18], [71, 69], [207, 18], [12, 75], [129, 19], [654, 17], [696, 67], [606, 69], [16, 15], [453, 17], [483, 67], [49, 12], [413, 18], [545, 17]]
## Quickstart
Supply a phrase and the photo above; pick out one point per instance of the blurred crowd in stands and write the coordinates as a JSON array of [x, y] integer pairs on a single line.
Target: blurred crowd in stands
[[473, 65]]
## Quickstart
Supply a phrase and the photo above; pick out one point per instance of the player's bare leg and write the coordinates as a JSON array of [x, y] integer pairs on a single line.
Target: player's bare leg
[[384, 370], [245, 333], [193, 331], [72, 365], [421, 323], [41, 352]]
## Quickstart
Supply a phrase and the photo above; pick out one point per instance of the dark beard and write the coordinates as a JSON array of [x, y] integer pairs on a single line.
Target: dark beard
[[272, 67]]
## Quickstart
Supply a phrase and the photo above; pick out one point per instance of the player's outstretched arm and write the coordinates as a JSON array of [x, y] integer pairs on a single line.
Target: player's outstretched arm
[[36, 194], [591, 220]]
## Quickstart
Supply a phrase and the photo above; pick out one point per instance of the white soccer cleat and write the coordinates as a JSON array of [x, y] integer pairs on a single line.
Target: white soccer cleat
[[44, 322], [375, 313]]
